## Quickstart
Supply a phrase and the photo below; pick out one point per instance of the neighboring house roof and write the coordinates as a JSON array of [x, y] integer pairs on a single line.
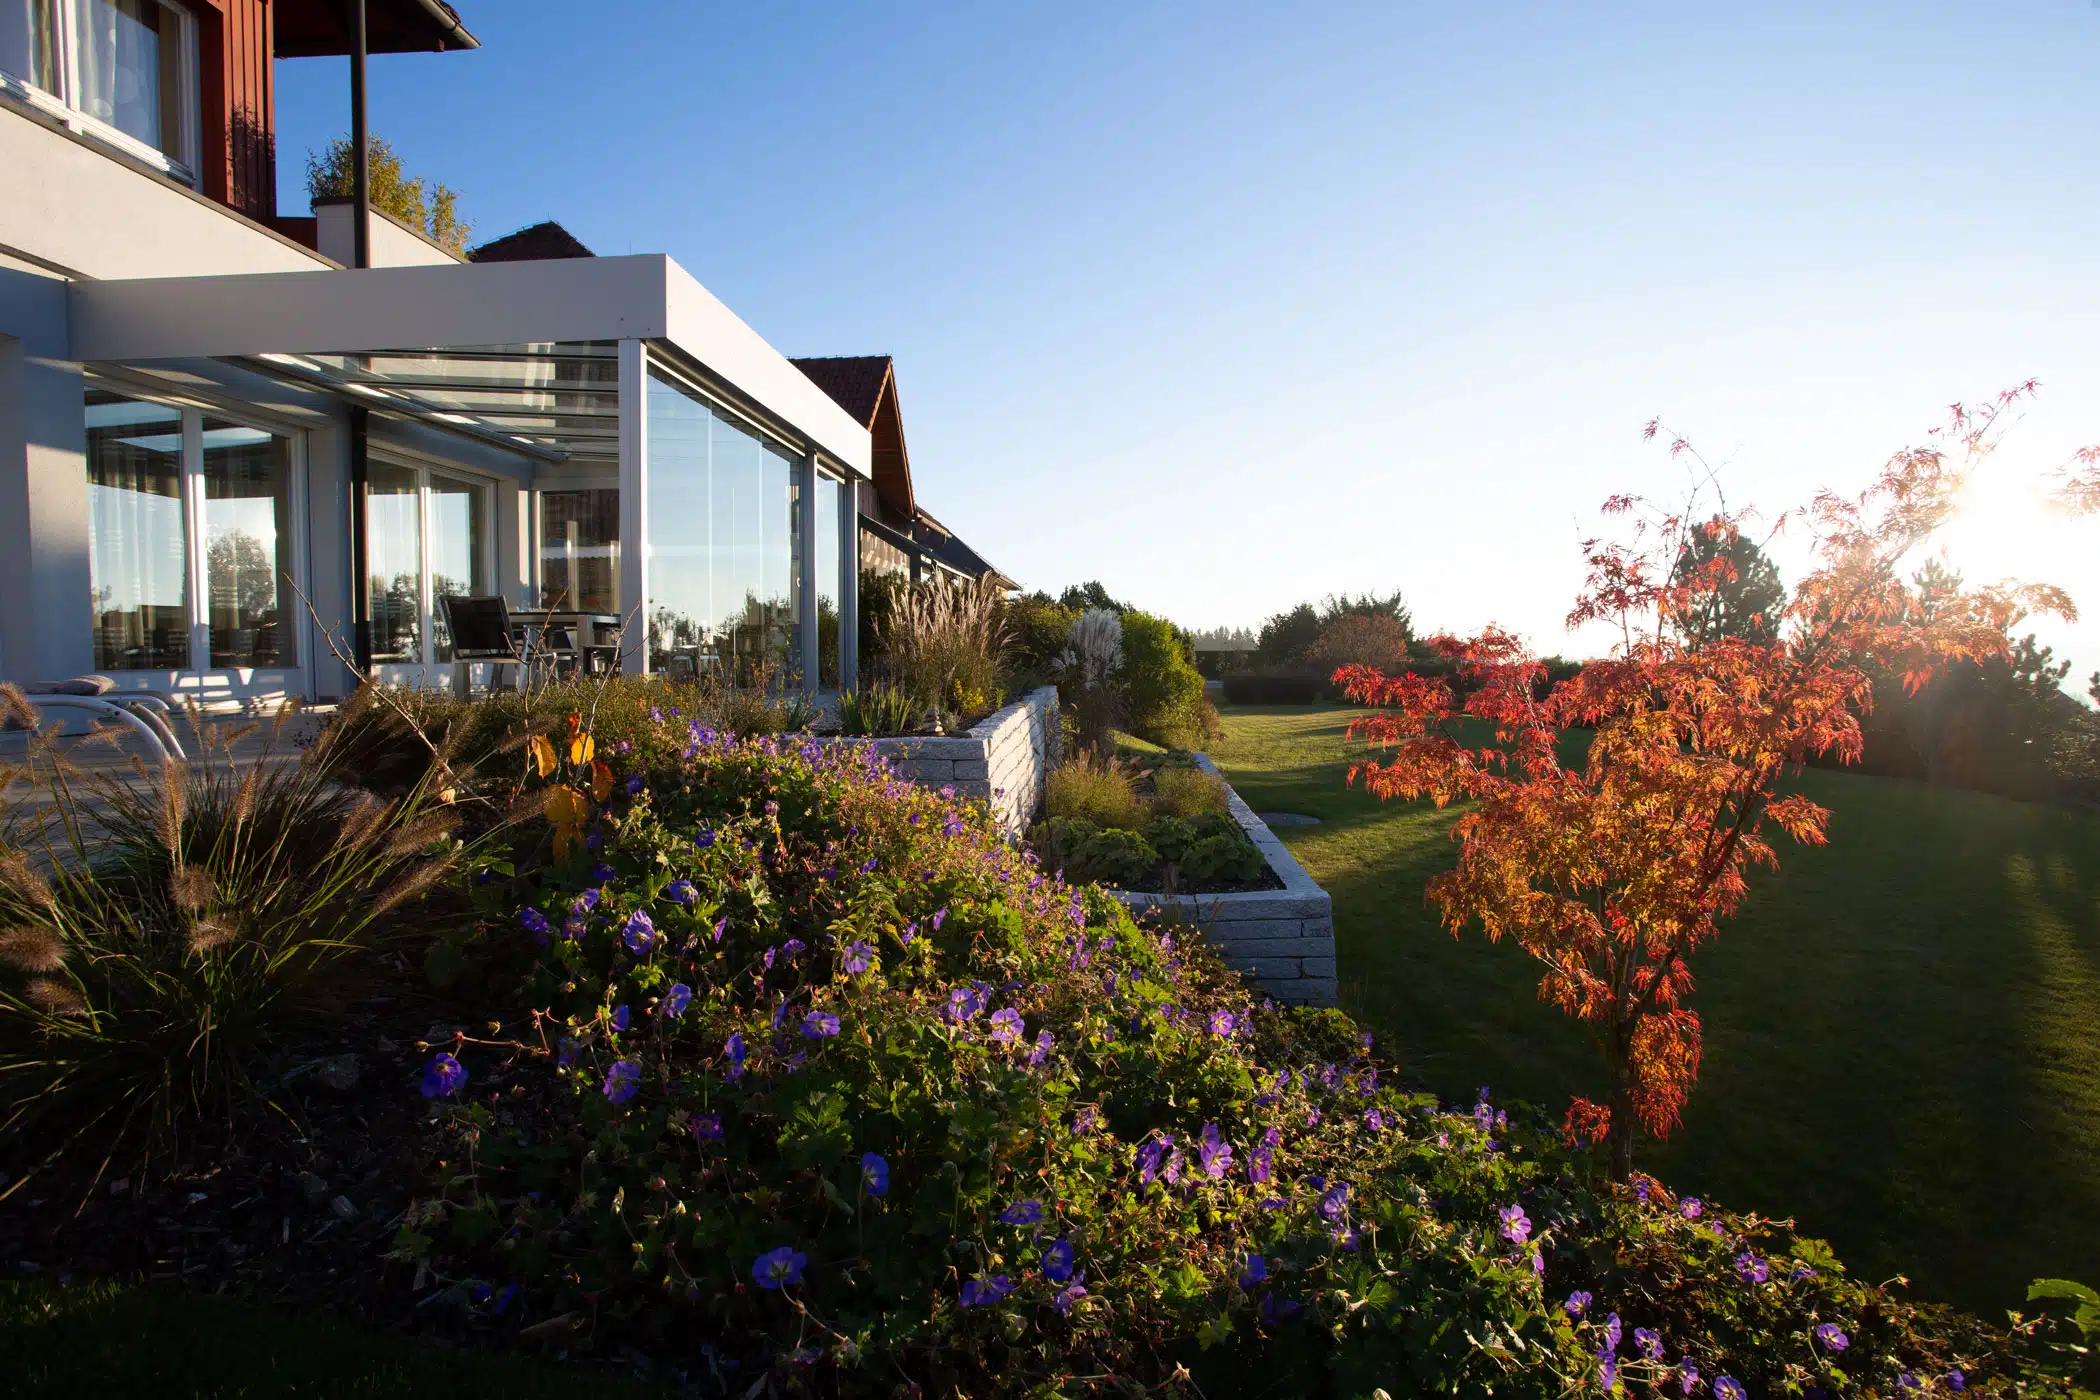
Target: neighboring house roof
[[320, 28], [866, 387], [535, 244], [945, 545]]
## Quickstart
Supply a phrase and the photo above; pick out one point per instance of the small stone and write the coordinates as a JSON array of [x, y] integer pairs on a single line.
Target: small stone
[[344, 1210], [313, 1184], [338, 1072]]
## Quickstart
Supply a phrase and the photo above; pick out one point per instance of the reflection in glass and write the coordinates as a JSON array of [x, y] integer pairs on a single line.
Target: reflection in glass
[[681, 581], [580, 550], [248, 545], [458, 558], [129, 54], [29, 43], [394, 563], [135, 534], [824, 539]]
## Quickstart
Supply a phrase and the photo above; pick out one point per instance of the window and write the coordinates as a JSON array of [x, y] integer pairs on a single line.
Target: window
[[191, 552], [123, 70], [580, 550], [426, 538], [832, 499]]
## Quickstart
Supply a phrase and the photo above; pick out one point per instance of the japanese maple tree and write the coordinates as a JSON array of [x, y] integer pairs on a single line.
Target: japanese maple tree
[[1612, 862]]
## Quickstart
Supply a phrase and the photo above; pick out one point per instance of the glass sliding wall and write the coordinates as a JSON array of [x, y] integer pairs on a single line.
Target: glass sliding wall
[[580, 549], [459, 566], [137, 555], [248, 545], [830, 548], [394, 563]]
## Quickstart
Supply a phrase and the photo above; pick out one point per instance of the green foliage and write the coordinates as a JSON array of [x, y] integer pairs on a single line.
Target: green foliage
[[1112, 856], [1096, 789], [1287, 639], [1171, 837], [1224, 858], [1747, 603], [1035, 1072], [1079, 597], [1186, 791], [878, 710], [943, 642], [1036, 630], [1162, 690], [431, 210], [160, 928]]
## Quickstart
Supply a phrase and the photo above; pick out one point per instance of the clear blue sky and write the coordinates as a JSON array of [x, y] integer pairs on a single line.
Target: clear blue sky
[[1230, 305]]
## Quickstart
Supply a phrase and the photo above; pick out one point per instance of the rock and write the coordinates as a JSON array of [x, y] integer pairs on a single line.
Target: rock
[[339, 1072], [344, 1210], [312, 1184]]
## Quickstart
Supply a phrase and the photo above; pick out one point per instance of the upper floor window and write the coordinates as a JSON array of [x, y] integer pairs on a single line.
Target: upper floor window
[[122, 70]]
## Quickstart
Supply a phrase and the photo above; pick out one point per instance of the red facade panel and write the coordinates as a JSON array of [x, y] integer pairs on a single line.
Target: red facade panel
[[239, 104]]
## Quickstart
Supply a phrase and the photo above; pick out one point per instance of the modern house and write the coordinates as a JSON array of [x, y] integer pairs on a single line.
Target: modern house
[[232, 467]]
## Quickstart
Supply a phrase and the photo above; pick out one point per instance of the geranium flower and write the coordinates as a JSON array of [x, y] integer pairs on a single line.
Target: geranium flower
[[778, 1268], [533, 920], [939, 916], [1649, 1341], [1832, 1337], [585, 902], [1956, 1381], [1006, 1026], [983, 1292], [819, 1025], [1222, 1023], [1214, 1152], [639, 933], [1687, 1376], [707, 1126], [676, 1001], [1335, 1201], [792, 947], [1729, 1388], [1577, 1304], [621, 1017], [634, 783], [1257, 1271], [1043, 1043], [623, 1080], [1056, 1261], [734, 1048], [601, 872], [1690, 1209], [874, 1174], [1069, 1295], [1275, 1308], [442, 1077], [952, 826], [1516, 1225], [1149, 1156], [858, 956], [963, 1004], [575, 927], [681, 892], [1750, 1268], [1028, 1212]]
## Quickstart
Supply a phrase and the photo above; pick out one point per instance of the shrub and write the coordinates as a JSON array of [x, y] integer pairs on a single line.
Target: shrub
[[1256, 688], [1186, 792], [1171, 837], [943, 643], [1112, 856], [832, 1089], [1225, 859], [1037, 632], [1092, 665], [1361, 639], [1095, 789], [158, 932], [1162, 690], [432, 210], [878, 710]]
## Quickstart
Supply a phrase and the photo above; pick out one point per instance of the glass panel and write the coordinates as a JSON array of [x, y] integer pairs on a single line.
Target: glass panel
[[136, 559], [824, 539], [248, 545], [458, 550], [130, 58], [738, 483], [394, 563], [580, 549], [29, 42], [682, 613], [782, 551]]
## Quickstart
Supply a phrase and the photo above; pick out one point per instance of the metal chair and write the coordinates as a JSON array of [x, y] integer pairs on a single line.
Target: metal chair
[[481, 634], [142, 713]]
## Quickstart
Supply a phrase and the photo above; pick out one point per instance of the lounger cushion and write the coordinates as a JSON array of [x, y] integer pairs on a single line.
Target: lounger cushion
[[79, 685]]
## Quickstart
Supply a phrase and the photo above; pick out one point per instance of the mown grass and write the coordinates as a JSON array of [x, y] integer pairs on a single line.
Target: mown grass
[[98, 1339], [1903, 1027]]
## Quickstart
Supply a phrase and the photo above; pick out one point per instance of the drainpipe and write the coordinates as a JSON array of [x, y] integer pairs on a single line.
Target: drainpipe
[[360, 417], [360, 141]]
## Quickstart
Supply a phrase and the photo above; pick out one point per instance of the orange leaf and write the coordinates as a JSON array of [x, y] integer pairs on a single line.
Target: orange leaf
[[542, 754], [601, 781]]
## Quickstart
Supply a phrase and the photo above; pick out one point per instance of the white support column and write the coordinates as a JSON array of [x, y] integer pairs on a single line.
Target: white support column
[[806, 566], [849, 587], [634, 507]]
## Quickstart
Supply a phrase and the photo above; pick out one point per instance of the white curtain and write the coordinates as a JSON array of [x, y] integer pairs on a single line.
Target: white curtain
[[116, 45]]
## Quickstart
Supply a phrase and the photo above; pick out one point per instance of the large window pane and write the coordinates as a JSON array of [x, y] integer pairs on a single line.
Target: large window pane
[[782, 546], [682, 615], [248, 545], [458, 550], [29, 42], [394, 563], [136, 572], [737, 528], [580, 550], [129, 54], [824, 539]]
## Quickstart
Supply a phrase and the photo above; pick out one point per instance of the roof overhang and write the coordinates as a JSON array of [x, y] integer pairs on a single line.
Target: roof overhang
[[321, 29], [356, 311]]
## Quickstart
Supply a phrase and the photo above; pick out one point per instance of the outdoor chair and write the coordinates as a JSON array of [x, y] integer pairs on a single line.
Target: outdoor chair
[[481, 634], [142, 713]]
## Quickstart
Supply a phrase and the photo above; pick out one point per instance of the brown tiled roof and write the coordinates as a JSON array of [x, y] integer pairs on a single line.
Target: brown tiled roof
[[853, 381], [534, 244]]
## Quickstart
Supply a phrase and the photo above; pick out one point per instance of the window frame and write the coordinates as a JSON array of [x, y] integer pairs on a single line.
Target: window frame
[[426, 600], [64, 105]]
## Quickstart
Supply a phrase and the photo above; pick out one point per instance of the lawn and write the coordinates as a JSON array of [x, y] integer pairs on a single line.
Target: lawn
[[1903, 1027], [97, 1339]]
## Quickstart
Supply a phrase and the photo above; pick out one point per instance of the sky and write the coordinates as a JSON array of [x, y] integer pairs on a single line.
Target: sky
[[1234, 305]]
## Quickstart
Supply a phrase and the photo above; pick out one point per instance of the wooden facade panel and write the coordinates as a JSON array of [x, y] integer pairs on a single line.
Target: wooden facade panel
[[239, 104]]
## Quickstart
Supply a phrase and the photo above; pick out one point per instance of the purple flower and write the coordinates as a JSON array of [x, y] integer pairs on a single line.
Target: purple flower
[[676, 1001], [533, 920], [1335, 1201], [681, 892], [1607, 1371], [639, 934], [1640, 1190], [1690, 1208], [983, 1292], [1750, 1268], [1578, 1303], [621, 1017], [1057, 1261], [704, 837], [1043, 1043], [952, 826], [1832, 1337], [963, 1004], [1028, 1212], [585, 902], [1222, 1023], [1257, 1271], [1149, 1156], [623, 1080], [634, 784], [939, 916], [720, 925], [1214, 1152], [1374, 1120], [1516, 1225], [442, 1077], [1687, 1376], [707, 1126], [1069, 1295], [601, 872], [1006, 1026], [1800, 1272], [874, 1174], [792, 947], [1649, 1341], [1277, 1309], [778, 1268], [734, 1048], [1956, 1381], [858, 956], [565, 1053], [1612, 1333], [818, 1025], [575, 927], [1729, 1388]]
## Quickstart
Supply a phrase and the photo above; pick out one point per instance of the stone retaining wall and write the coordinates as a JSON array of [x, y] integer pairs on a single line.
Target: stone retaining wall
[[1003, 761], [1282, 939]]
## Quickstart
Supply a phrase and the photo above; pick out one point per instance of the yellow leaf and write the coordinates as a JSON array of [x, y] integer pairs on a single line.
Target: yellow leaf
[[580, 749], [542, 754], [601, 781]]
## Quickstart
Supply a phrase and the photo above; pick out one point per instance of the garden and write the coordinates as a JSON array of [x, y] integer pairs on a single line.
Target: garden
[[630, 1037]]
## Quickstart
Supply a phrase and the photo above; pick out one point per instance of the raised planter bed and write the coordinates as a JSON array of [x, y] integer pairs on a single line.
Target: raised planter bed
[[1003, 761], [1282, 939]]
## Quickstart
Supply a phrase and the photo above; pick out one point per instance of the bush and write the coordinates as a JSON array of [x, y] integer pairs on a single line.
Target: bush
[[1256, 688], [1171, 837], [1225, 858], [1361, 639], [878, 710], [1096, 789], [835, 1089], [1112, 856], [942, 644], [1186, 792], [1162, 690], [1036, 631]]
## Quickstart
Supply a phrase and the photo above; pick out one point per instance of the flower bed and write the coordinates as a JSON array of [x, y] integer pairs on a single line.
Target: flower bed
[[828, 1088]]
